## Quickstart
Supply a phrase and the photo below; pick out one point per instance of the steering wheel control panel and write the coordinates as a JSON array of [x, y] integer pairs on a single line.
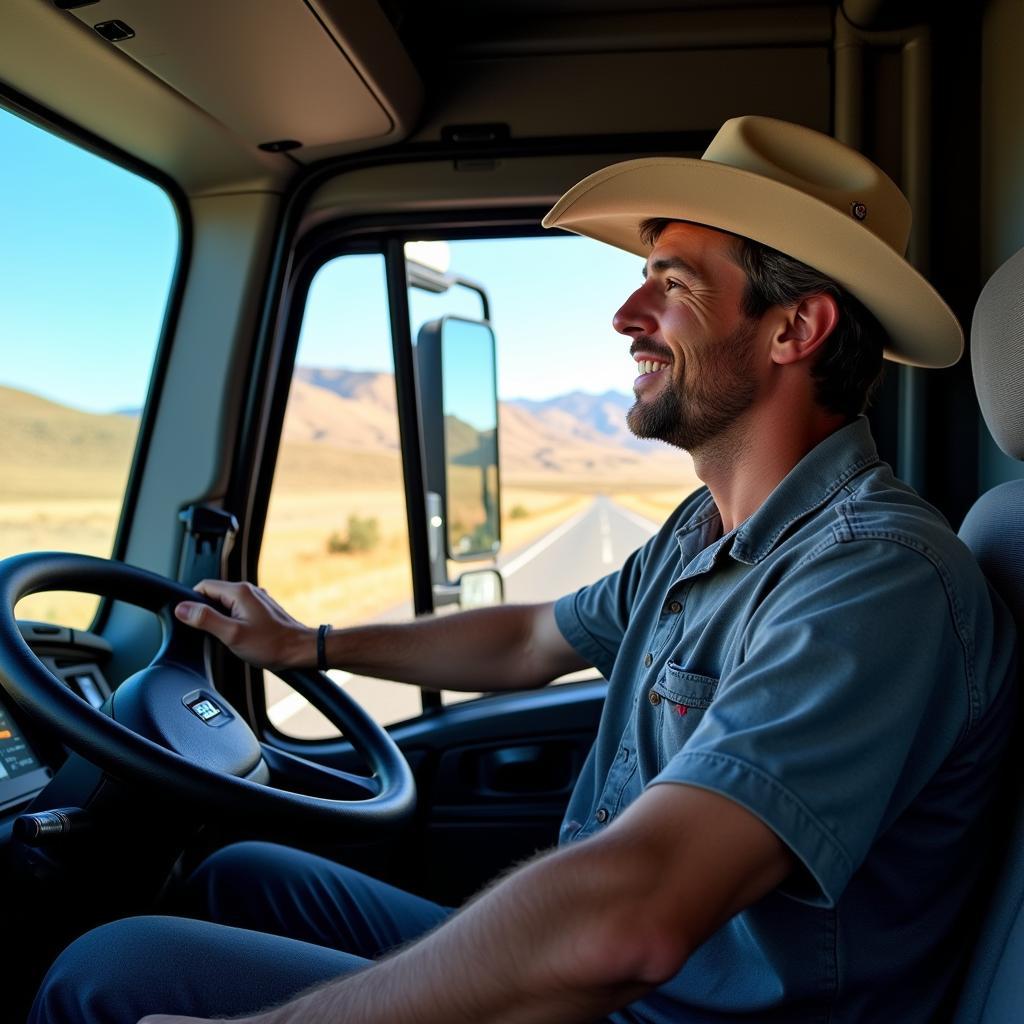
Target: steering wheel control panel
[[20, 770], [73, 656]]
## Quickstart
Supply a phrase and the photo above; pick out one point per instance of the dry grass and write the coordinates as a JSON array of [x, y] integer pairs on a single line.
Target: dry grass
[[655, 505], [317, 488], [85, 525]]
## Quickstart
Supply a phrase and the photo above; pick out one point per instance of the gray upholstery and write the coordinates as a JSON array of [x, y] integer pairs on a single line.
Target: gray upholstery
[[994, 988], [993, 991], [997, 355]]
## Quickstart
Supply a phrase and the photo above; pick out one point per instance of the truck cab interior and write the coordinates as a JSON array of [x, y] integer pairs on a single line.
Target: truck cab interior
[[323, 174]]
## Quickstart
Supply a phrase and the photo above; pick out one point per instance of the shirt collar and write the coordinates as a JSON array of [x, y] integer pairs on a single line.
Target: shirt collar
[[809, 484]]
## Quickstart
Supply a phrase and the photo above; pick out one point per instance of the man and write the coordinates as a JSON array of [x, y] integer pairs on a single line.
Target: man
[[808, 678]]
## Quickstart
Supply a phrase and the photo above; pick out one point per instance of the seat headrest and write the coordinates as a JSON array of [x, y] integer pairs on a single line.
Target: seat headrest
[[997, 355]]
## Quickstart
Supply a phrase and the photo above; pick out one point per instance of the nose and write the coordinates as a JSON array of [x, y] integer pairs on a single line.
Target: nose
[[634, 316]]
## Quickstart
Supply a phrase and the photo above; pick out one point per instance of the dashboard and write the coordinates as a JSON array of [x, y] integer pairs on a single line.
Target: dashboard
[[27, 760]]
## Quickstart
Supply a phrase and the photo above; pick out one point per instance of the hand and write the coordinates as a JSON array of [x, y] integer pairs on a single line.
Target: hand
[[257, 629]]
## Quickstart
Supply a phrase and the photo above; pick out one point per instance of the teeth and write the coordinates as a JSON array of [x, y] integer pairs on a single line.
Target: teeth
[[649, 366]]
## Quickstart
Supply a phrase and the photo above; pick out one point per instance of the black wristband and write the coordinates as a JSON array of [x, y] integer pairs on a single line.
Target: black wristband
[[321, 648]]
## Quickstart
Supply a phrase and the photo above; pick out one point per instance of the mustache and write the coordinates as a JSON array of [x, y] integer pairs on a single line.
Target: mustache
[[649, 345]]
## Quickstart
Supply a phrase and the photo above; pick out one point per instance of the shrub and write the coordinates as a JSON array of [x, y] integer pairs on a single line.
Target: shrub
[[363, 534], [519, 512]]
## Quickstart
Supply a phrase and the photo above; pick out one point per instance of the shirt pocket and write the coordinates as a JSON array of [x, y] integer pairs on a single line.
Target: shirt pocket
[[680, 699]]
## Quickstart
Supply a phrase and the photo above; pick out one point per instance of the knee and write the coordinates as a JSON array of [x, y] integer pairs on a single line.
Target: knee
[[90, 980], [231, 878]]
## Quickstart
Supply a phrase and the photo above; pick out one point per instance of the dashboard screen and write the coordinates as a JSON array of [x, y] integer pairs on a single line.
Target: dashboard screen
[[16, 757]]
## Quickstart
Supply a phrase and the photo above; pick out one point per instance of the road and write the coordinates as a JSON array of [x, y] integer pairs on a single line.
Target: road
[[587, 546]]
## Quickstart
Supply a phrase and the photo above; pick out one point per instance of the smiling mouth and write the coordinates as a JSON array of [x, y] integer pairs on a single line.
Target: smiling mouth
[[649, 367]]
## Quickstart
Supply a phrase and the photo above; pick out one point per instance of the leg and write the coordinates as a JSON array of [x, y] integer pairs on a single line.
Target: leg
[[270, 888], [119, 972]]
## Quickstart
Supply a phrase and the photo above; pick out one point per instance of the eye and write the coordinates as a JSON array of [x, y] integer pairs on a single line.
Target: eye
[[671, 283]]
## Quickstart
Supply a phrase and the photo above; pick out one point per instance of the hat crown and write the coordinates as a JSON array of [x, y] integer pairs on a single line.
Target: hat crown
[[817, 165]]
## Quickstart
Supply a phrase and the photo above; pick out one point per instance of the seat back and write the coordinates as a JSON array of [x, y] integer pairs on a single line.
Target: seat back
[[993, 991]]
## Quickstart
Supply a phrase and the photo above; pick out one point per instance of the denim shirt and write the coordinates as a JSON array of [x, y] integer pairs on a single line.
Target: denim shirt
[[838, 666]]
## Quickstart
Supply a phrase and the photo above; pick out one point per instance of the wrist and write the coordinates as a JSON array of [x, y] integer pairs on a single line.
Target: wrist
[[302, 649]]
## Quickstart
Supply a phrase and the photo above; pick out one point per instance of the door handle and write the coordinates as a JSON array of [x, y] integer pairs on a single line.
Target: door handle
[[527, 770]]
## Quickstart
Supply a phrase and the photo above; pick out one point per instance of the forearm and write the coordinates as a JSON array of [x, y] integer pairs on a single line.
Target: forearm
[[505, 648], [558, 941]]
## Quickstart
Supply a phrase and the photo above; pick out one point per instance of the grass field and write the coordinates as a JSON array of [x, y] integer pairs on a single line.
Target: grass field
[[309, 561], [655, 504], [296, 565]]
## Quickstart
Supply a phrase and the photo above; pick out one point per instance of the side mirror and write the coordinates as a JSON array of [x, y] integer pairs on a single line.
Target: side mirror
[[459, 401]]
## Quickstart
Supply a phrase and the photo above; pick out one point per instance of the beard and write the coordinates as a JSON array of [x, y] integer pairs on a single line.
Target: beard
[[718, 386]]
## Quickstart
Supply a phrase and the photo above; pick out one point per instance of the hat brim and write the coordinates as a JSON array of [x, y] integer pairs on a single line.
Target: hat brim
[[610, 204]]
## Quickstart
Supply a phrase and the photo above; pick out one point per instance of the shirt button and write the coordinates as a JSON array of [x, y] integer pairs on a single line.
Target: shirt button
[[648, 660], [654, 697], [675, 607], [602, 815], [625, 753]]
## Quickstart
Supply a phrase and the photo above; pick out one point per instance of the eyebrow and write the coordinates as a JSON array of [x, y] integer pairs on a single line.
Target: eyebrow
[[673, 263]]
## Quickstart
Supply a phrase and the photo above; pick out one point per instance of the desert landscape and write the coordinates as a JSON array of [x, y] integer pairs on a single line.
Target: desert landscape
[[335, 546]]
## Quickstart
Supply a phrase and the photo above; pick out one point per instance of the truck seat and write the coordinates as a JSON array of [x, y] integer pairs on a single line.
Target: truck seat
[[993, 991]]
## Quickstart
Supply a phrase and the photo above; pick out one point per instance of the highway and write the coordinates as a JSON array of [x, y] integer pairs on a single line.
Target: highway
[[585, 547]]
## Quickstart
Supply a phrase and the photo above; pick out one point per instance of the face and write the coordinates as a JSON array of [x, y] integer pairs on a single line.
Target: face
[[693, 346]]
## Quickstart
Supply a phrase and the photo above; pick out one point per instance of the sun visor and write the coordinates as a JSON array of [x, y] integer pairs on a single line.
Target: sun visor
[[330, 75]]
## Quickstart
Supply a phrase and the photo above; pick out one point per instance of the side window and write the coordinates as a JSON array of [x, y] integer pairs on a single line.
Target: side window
[[87, 256], [579, 491], [336, 544]]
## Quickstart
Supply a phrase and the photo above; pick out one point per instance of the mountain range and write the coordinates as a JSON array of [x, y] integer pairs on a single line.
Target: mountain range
[[350, 417], [577, 435]]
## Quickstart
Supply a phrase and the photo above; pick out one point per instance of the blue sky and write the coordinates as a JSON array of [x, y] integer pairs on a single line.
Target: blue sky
[[87, 252]]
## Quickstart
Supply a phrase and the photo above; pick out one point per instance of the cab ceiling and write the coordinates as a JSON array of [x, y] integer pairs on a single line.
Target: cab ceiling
[[200, 85]]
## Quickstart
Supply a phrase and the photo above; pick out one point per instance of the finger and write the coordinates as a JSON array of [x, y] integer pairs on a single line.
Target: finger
[[221, 590], [202, 616]]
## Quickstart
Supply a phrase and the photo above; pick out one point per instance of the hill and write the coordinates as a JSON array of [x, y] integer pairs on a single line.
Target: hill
[[53, 451], [577, 437], [340, 426]]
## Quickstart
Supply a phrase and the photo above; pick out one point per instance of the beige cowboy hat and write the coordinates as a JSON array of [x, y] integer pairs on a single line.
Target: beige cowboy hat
[[796, 190]]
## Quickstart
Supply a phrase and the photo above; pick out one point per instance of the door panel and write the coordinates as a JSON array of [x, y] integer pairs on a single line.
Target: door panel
[[494, 777]]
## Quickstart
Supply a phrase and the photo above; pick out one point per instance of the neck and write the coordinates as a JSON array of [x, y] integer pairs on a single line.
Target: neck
[[742, 466]]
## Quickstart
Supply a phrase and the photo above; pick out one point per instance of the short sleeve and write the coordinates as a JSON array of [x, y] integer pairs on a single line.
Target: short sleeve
[[594, 619], [851, 690]]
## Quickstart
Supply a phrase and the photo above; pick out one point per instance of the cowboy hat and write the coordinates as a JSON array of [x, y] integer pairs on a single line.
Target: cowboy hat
[[793, 189]]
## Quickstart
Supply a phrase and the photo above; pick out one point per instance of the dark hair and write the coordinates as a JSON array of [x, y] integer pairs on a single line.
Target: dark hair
[[849, 366]]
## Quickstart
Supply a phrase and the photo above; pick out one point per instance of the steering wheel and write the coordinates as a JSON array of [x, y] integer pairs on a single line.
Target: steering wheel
[[168, 727]]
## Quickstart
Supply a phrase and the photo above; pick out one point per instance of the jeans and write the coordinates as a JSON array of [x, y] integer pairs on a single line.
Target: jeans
[[276, 921]]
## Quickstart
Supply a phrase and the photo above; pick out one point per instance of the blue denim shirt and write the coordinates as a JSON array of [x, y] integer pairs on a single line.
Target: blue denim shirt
[[837, 665]]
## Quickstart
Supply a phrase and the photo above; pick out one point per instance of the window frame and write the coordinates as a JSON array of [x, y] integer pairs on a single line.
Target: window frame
[[384, 236], [252, 465]]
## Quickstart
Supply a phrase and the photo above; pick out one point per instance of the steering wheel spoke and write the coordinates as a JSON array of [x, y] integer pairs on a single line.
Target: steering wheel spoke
[[288, 770]]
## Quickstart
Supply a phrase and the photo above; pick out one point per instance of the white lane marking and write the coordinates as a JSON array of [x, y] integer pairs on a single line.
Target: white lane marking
[[647, 524], [509, 568], [288, 707], [606, 538]]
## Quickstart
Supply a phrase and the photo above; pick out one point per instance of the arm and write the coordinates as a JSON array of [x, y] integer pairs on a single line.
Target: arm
[[577, 933], [509, 648]]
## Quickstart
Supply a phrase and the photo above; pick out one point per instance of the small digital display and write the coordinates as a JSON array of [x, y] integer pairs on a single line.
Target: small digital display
[[16, 757], [205, 709]]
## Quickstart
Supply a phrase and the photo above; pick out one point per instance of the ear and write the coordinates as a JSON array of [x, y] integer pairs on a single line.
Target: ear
[[804, 328]]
